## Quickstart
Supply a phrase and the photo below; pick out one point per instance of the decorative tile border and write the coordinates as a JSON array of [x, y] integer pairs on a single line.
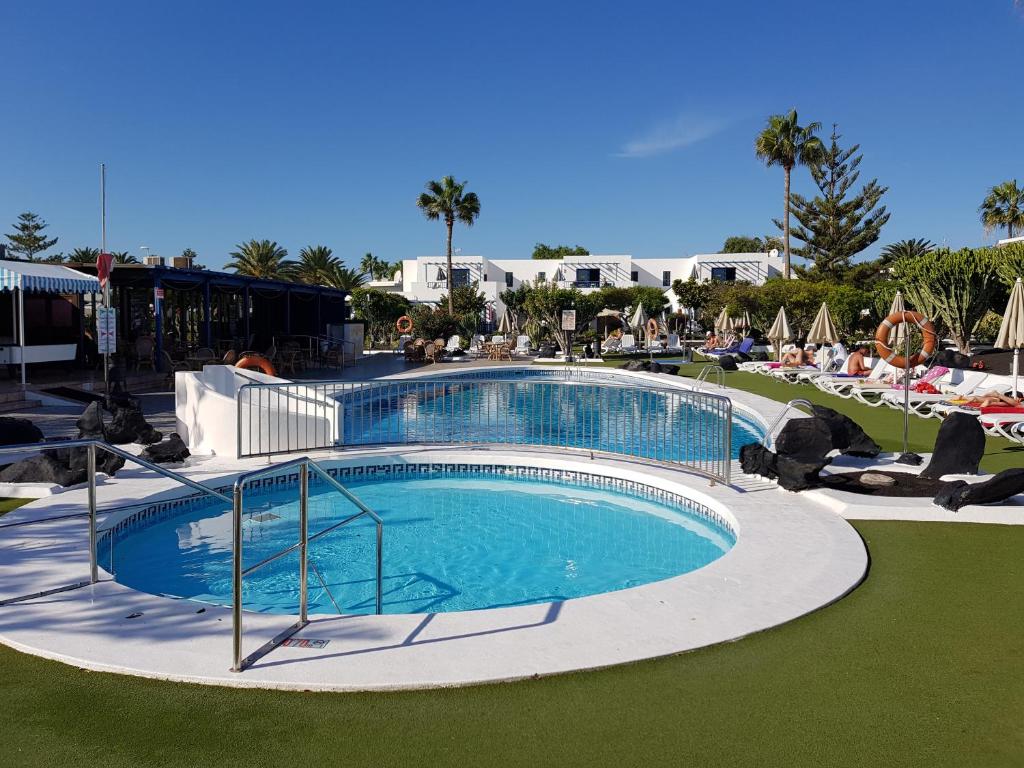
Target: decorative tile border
[[159, 511]]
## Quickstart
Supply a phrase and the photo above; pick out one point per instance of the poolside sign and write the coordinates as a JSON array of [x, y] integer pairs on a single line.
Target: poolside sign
[[297, 642], [106, 330], [568, 319]]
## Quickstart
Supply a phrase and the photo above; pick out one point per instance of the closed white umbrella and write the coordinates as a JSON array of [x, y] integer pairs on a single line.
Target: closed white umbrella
[[1011, 331], [823, 330], [638, 321], [744, 321], [898, 333], [506, 325], [780, 332], [723, 322]]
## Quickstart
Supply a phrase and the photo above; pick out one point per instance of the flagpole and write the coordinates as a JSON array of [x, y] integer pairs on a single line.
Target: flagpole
[[106, 286]]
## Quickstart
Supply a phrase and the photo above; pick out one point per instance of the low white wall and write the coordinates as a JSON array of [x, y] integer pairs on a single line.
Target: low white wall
[[206, 408]]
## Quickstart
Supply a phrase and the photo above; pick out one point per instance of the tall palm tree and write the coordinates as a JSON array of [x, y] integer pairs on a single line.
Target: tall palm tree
[[345, 279], [316, 265], [448, 199], [261, 258], [1004, 207], [910, 249], [85, 255], [785, 142], [123, 257]]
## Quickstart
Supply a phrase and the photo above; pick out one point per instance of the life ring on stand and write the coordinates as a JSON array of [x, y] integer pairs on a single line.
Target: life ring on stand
[[652, 329], [889, 355], [404, 324], [257, 363]]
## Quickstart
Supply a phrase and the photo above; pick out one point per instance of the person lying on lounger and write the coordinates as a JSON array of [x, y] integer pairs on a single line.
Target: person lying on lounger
[[988, 399], [798, 356]]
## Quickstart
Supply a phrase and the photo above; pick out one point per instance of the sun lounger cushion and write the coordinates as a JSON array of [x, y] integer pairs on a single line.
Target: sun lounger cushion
[[1002, 409]]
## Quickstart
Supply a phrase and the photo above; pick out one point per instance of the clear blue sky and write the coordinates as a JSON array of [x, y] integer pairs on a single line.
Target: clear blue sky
[[624, 127]]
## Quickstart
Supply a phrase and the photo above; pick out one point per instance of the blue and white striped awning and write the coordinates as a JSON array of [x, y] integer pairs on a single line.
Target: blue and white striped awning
[[46, 278]]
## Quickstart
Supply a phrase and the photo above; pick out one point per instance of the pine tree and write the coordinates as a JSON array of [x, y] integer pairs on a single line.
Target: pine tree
[[28, 238], [836, 225]]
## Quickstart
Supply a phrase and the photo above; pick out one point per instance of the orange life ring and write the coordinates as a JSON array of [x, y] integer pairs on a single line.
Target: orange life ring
[[404, 324], [889, 355], [652, 328], [257, 363]]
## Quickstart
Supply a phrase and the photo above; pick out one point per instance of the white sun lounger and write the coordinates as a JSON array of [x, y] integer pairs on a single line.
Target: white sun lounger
[[925, 405], [628, 343]]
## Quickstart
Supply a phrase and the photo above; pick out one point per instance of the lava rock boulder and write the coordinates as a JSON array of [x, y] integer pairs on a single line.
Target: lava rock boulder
[[44, 468], [847, 436], [128, 425], [170, 451], [15, 431], [999, 487]]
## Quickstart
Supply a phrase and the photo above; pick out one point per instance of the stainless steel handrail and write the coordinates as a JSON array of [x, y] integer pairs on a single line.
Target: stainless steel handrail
[[304, 465], [703, 375], [799, 402], [91, 444], [569, 412]]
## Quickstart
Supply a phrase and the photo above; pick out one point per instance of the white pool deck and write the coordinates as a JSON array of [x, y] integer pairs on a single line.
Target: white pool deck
[[795, 553]]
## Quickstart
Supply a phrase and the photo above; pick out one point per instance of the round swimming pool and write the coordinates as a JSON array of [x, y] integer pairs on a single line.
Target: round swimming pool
[[454, 540]]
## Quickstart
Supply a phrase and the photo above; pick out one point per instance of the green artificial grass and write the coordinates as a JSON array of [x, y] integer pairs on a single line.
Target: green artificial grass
[[883, 424], [922, 665]]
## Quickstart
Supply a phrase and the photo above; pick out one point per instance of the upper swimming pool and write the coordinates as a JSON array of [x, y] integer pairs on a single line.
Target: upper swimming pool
[[536, 406]]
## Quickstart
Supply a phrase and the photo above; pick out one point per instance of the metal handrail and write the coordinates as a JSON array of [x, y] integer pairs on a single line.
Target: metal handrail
[[304, 465], [570, 412], [782, 414], [703, 375], [91, 444]]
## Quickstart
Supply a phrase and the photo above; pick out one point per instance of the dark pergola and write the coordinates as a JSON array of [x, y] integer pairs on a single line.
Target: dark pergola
[[183, 308]]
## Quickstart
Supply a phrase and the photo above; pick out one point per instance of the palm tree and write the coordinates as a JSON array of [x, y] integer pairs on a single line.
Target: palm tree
[[785, 142], [84, 255], [909, 249], [316, 265], [123, 257], [447, 199], [261, 258], [1003, 207], [345, 279]]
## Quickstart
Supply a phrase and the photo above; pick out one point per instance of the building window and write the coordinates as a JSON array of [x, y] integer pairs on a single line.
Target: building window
[[508, 279], [634, 276], [542, 276], [724, 274], [588, 278], [666, 278], [460, 277]]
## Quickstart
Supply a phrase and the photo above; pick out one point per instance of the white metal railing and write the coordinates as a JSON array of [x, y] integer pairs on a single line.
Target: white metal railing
[[798, 403], [707, 370], [666, 425]]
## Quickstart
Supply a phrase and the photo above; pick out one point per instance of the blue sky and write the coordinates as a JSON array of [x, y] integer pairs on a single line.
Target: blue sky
[[624, 127]]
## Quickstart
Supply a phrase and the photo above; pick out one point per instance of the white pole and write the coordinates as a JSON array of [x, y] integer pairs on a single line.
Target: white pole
[[1016, 356], [106, 287], [21, 334]]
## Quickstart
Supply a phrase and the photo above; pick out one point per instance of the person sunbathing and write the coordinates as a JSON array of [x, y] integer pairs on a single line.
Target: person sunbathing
[[711, 342], [989, 399], [797, 357], [855, 365]]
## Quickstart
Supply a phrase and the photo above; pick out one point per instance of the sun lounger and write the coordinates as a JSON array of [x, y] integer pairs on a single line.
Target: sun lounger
[[673, 343], [628, 343], [927, 405]]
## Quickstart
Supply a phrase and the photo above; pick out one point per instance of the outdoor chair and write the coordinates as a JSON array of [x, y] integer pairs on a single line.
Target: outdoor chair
[[402, 340], [230, 357], [612, 344], [522, 345], [454, 344], [144, 353], [173, 366], [673, 343], [476, 345], [628, 343]]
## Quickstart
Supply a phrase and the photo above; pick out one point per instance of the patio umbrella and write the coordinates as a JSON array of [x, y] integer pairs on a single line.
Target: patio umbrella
[[744, 321], [1011, 332], [780, 332], [723, 322], [638, 321], [609, 317], [898, 333], [823, 330], [506, 325]]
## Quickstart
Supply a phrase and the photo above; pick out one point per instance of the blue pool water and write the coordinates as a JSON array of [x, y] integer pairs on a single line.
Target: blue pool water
[[451, 543], [638, 421]]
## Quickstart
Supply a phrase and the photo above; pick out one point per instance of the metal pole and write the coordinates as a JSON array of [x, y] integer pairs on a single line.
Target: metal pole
[[906, 389], [380, 568], [303, 543], [90, 465], [236, 580], [21, 333], [106, 286]]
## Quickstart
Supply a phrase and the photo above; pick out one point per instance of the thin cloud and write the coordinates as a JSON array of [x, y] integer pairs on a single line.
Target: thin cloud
[[670, 135]]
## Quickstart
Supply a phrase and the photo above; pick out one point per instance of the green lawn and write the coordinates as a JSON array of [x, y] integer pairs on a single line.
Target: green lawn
[[922, 665], [6, 505], [884, 424]]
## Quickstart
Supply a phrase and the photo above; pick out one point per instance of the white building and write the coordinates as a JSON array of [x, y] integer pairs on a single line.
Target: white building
[[423, 280]]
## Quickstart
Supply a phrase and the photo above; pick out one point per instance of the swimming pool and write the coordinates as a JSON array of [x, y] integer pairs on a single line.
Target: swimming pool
[[454, 540], [588, 409]]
